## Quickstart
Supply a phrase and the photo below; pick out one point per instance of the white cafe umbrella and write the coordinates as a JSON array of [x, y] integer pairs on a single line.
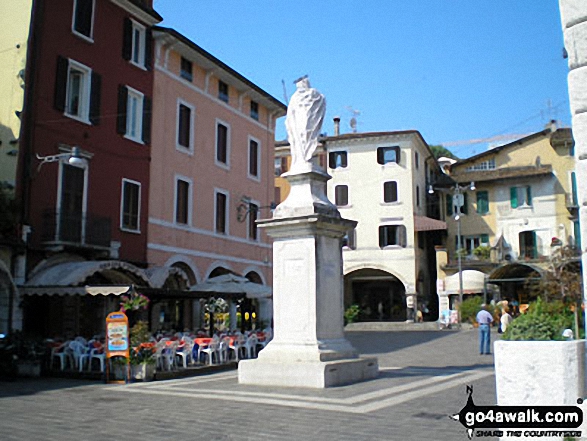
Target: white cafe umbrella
[[233, 284]]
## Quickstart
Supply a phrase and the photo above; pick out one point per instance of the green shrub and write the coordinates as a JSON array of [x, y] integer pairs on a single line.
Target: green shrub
[[471, 307], [352, 314], [483, 252], [542, 321]]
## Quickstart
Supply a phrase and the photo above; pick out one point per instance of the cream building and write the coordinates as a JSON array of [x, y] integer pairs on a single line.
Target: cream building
[[380, 180]]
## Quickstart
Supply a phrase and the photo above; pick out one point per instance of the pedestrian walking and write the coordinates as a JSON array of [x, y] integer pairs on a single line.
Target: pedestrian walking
[[484, 318], [505, 319]]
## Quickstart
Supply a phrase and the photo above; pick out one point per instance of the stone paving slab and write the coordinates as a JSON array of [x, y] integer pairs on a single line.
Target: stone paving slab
[[423, 380]]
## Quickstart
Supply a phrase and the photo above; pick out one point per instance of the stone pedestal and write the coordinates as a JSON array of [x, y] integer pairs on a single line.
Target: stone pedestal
[[308, 348]]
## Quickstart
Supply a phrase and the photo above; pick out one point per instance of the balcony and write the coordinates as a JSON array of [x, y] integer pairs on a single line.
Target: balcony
[[75, 230], [572, 206]]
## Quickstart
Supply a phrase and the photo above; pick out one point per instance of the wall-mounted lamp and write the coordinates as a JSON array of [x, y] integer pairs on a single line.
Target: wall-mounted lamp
[[73, 158], [245, 207]]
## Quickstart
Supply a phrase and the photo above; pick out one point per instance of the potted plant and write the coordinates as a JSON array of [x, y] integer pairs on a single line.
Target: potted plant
[[142, 355], [534, 363], [26, 353]]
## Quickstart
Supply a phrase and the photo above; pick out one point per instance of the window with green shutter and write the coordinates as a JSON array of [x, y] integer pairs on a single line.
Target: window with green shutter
[[520, 196], [514, 197], [482, 202]]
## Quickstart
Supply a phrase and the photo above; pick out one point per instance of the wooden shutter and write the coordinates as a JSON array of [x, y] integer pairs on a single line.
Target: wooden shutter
[[95, 98], [449, 204], [147, 112], [127, 39], [122, 103], [61, 83], [514, 197], [382, 236], [529, 195], [403, 237]]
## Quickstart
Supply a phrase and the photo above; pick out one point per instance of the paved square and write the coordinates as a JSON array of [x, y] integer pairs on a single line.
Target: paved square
[[422, 380]]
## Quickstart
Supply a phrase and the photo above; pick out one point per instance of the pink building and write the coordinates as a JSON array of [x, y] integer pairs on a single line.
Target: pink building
[[211, 177]]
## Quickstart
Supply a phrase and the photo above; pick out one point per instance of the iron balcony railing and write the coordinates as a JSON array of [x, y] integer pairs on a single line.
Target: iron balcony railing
[[61, 228]]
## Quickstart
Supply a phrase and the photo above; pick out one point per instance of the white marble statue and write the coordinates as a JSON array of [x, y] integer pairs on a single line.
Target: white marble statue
[[305, 114]]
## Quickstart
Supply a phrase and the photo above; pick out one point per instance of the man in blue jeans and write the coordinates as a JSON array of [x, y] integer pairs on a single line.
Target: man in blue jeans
[[484, 318]]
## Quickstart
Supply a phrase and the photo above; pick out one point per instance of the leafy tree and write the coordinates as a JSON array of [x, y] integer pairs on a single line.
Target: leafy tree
[[439, 151], [562, 281]]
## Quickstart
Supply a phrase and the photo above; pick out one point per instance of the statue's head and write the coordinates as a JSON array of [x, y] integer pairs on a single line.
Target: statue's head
[[302, 82]]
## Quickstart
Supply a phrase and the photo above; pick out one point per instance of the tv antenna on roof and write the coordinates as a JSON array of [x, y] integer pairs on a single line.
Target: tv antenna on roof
[[353, 121]]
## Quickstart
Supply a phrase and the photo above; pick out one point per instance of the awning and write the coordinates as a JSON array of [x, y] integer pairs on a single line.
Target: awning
[[473, 282], [158, 275], [75, 290], [232, 284], [74, 274], [423, 223]]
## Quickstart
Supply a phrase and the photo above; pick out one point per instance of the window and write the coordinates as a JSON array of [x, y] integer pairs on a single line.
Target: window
[[72, 204], [136, 45], [417, 196], [182, 201], [130, 205], [341, 195], [280, 166], [222, 144], [185, 122], [528, 248], [134, 115], [337, 160], [255, 110], [253, 215], [222, 91], [417, 160], [482, 202], [520, 197], [392, 235], [83, 18], [350, 240], [485, 165], [390, 191], [254, 159], [469, 243], [221, 210], [186, 69], [77, 91], [388, 154]]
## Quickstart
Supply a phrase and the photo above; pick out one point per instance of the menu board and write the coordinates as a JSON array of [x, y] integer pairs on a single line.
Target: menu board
[[117, 341]]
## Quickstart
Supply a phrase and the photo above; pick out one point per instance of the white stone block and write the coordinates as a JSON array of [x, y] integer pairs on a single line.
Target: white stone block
[[572, 12], [576, 45], [578, 90], [580, 137], [539, 373]]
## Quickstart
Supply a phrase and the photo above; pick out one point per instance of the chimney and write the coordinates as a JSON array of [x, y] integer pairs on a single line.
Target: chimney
[[336, 125]]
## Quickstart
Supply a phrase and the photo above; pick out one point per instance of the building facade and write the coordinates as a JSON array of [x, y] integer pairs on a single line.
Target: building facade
[[211, 172], [88, 95], [381, 181], [524, 205]]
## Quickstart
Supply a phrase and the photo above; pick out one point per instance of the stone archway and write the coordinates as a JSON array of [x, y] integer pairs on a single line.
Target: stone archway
[[380, 295]]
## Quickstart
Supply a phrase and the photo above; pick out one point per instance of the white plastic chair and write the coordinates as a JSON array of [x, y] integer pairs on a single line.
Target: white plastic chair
[[185, 353], [251, 346], [80, 354], [211, 351], [238, 347], [95, 354], [224, 350], [61, 353]]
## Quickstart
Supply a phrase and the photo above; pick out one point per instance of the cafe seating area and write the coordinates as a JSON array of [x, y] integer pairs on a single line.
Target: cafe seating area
[[172, 352]]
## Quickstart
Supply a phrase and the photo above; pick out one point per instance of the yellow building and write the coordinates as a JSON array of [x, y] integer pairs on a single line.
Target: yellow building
[[523, 204], [15, 17]]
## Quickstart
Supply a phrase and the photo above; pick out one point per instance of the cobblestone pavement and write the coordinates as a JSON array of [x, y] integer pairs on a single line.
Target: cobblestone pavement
[[423, 378]]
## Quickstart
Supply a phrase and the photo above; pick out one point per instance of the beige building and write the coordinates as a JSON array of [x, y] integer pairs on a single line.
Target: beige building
[[523, 204]]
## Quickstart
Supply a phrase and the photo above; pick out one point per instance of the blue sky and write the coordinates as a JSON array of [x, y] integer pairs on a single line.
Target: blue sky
[[452, 69]]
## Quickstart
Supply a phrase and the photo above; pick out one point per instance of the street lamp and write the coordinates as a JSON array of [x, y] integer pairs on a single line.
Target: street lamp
[[73, 158], [457, 193]]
